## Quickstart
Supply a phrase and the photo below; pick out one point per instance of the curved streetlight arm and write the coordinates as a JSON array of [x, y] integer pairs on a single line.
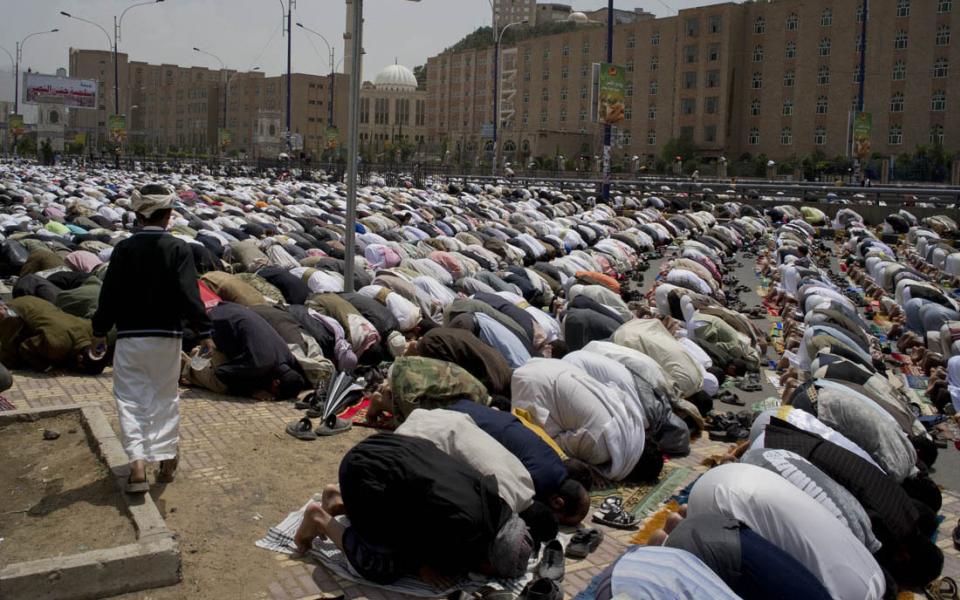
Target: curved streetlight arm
[[211, 55], [316, 33], [10, 56], [120, 20], [24, 40], [508, 26], [95, 24]]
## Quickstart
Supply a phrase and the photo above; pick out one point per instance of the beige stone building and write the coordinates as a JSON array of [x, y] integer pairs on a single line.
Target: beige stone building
[[393, 115], [777, 78]]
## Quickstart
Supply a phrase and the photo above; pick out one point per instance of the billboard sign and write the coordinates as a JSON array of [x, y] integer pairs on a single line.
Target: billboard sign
[[117, 126], [333, 137], [74, 93], [612, 94], [224, 136], [862, 125], [15, 125]]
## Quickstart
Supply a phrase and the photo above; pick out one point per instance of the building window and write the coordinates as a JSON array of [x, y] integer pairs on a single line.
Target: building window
[[822, 104], [713, 79], [690, 54], [856, 73], [859, 42], [896, 103], [903, 8], [563, 115], [895, 137], [710, 134], [689, 80], [825, 47], [760, 26], [823, 75], [788, 107], [654, 62], [789, 78], [631, 41], [688, 106], [652, 112], [651, 137], [543, 116], [583, 92], [565, 73], [899, 70], [791, 50], [628, 112], [713, 52], [545, 94], [793, 22], [526, 75], [786, 136], [753, 138], [585, 49], [757, 81], [938, 102], [713, 23], [900, 40], [565, 50], [583, 115], [563, 93], [943, 35], [826, 18], [758, 53], [545, 74], [944, 6], [755, 108], [630, 68], [936, 135], [546, 53], [820, 136], [653, 88], [693, 27], [526, 54], [629, 88], [655, 38], [711, 105], [940, 68], [583, 70]]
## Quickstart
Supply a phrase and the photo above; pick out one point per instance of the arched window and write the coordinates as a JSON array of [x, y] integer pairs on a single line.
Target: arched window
[[760, 25], [936, 135], [753, 138], [786, 136], [793, 22], [896, 103]]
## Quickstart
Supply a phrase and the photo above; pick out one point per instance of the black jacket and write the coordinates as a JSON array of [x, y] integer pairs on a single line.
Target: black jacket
[[150, 288]]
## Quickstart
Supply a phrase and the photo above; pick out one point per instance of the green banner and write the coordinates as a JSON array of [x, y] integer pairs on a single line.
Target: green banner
[[862, 125], [224, 137], [80, 139], [612, 93], [333, 136], [15, 125], [117, 127]]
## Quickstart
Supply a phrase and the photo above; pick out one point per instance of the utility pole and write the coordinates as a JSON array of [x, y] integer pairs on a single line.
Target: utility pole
[[857, 167], [290, 5], [607, 129]]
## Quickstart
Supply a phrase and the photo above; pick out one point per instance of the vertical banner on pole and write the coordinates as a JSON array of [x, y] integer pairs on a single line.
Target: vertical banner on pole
[[862, 126], [117, 127], [612, 93]]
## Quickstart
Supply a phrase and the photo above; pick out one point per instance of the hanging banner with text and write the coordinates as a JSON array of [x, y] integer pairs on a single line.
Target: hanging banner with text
[[117, 127], [611, 93], [862, 125], [15, 125]]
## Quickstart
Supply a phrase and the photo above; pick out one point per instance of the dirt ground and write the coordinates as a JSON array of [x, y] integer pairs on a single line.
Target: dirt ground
[[218, 528], [52, 490]]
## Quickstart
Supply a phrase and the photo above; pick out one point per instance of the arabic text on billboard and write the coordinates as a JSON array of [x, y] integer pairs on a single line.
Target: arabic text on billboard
[[612, 94], [862, 124], [75, 93]]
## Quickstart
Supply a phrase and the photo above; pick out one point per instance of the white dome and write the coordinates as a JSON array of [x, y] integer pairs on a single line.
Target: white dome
[[396, 78]]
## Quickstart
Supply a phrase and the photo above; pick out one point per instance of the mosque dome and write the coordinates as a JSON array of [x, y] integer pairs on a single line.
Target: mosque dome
[[396, 78]]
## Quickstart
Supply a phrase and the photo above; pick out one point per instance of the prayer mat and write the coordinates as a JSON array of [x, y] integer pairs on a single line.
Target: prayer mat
[[918, 382], [6, 404], [358, 415], [279, 539], [656, 521], [636, 497]]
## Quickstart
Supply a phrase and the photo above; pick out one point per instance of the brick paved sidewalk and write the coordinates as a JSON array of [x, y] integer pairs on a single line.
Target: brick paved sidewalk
[[209, 422]]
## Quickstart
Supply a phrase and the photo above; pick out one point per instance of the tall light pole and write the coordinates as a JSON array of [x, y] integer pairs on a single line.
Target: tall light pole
[[352, 135], [16, 67], [607, 129], [223, 72], [863, 75], [497, 38], [289, 28], [117, 28], [332, 53]]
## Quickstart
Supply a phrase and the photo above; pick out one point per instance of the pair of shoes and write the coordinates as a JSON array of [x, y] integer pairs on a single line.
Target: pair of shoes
[[542, 589], [303, 429], [551, 564], [583, 542], [611, 514]]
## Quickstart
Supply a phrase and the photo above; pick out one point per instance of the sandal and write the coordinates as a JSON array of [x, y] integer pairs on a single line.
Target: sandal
[[618, 519], [944, 588], [733, 434], [302, 430], [333, 426], [136, 487], [729, 398], [168, 470]]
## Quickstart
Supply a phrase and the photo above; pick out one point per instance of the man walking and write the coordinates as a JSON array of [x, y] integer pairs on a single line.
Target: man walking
[[150, 287]]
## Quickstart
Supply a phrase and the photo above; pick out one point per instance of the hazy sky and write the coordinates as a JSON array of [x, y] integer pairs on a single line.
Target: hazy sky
[[246, 33]]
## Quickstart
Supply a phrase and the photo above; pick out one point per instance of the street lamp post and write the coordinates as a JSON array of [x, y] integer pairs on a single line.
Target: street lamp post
[[607, 129], [332, 54], [352, 143], [496, 83], [13, 69], [223, 70], [289, 18], [117, 28], [16, 67]]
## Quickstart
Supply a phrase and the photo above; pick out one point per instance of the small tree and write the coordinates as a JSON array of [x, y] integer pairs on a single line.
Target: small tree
[[681, 146]]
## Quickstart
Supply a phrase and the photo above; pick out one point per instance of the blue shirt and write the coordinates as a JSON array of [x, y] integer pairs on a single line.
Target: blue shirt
[[544, 464], [495, 334]]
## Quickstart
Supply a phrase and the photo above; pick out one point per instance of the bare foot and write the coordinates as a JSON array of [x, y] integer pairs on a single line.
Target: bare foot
[[310, 527], [657, 538], [673, 520], [332, 501]]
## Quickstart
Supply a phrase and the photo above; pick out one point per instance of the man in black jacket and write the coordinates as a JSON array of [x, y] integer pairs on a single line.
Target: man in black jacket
[[149, 289]]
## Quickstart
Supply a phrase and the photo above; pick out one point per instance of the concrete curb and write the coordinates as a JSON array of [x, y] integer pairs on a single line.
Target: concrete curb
[[153, 561]]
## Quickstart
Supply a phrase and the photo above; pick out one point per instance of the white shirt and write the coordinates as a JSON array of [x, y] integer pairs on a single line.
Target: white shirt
[[796, 523]]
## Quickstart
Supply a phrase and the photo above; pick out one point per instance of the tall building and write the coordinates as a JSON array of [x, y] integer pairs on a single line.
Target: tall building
[[777, 78], [513, 11], [393, 115]]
